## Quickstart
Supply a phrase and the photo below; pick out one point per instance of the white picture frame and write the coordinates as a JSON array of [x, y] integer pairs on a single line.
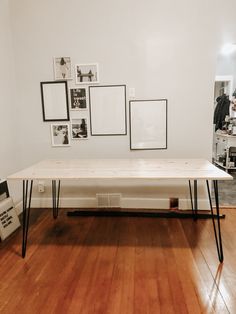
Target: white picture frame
[[9, 220], [86, 73], [60, 134], [148, 124], [62, 68], [78, 99], [108, 110], [79, 129]]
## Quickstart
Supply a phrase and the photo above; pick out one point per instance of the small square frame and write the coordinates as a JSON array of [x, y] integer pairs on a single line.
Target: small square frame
[[62, 68], [79, 129], [78, 98], [60, 134], [86, 73]]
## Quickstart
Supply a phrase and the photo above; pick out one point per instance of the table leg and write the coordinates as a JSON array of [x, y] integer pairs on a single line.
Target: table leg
[[216, 226], [27, 193], [55, 197], [191, 195], [195, 204]]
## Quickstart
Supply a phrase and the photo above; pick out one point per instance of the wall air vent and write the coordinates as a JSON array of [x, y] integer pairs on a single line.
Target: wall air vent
[[112, 200]]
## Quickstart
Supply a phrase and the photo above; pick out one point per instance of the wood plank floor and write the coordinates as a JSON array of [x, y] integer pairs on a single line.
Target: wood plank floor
[[118, 265]]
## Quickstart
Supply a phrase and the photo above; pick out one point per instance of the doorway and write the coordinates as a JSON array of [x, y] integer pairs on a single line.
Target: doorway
[[224, 139]]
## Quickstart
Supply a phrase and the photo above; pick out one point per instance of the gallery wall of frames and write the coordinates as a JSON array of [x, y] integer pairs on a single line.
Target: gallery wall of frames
[[98, 110]]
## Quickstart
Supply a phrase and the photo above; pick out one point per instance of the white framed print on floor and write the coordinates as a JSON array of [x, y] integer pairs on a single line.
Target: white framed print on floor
[[108, 110], [148, 124], [60, 134], [86, 73], [62, 68]]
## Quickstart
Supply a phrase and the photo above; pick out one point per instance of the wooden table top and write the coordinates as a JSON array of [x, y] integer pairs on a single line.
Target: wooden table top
[[122, 169]]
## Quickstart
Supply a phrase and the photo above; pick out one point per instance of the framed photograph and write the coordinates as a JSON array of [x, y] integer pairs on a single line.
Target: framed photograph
[[108, 110], [148, 124], [54, 95], [60, 134], [79, 129], [86, 73], [78, 99], [62, 68]]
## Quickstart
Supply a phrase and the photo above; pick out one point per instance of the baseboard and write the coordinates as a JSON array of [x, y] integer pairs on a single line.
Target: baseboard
[[128, 203]]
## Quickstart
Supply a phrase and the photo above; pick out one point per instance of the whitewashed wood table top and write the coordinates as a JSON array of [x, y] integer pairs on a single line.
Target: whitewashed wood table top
[[122, 169]]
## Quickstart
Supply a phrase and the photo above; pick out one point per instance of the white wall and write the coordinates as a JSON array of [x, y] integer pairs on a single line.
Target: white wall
[[226, 65], [162, 49], [8, 122]]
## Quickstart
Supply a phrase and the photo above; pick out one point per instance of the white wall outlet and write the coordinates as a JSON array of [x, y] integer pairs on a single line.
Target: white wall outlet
[[41, 186]]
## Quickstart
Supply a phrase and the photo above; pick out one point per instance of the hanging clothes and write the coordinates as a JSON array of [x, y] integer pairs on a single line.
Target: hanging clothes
[[221, 111]]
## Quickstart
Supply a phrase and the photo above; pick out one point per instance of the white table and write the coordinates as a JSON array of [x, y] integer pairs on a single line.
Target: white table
[[151, 169]]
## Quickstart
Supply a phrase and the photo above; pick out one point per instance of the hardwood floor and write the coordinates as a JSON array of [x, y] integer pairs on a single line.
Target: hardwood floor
[[118, 265]]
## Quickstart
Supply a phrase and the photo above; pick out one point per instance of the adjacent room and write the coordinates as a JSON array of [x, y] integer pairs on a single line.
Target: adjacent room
[[118, 156]]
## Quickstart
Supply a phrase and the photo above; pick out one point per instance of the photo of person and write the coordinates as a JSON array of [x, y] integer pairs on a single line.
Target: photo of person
[[60, 134], [79, 129], [86, 73], [78, 99], [62, 68]]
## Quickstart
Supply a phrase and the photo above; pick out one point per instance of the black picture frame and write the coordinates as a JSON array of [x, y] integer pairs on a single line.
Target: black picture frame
[[55, 104], [109, 99], [148, 134]]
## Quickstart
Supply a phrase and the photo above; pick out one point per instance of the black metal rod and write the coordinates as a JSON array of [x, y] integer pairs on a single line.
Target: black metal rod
[[191, 195], [195, 199], [55, 197], [157, 214], [213, 220], [26, 212], [58, 195], [215, 184], [217, 233]]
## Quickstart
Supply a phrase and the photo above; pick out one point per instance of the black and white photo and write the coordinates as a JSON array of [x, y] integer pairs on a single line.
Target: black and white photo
[[86, 73], [62, 68], [79, 129], [60, 134], [78, 99]]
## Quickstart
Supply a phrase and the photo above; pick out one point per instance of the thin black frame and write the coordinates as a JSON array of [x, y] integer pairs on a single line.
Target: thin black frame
[[166, 121], [125, 109], [67, 118]]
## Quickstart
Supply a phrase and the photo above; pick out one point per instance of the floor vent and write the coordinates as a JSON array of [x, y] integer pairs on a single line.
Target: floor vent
[[112, 200]]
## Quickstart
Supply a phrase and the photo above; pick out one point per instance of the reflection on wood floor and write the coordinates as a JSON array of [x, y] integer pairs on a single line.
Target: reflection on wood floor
[[118, 265]]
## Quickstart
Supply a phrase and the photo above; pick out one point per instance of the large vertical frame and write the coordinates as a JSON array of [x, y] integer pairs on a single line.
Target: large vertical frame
[[108, 110], [148, 124], [55, 102]]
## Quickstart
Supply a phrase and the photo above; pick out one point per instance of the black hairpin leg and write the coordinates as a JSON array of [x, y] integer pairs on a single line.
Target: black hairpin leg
[[191, 195], [55, 197], [216, 225], [27, 193], [194, 194]]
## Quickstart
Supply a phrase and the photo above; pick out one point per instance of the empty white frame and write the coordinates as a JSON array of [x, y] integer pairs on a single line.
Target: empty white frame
[[55, 101], [108, 110], [148, 124]]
